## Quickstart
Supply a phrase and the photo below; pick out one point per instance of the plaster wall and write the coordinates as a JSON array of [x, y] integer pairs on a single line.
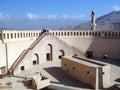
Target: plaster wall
[[99, 42], [3, 70], [88, 71], [98, 45], [2, 55], [41, 49], [86, 74], [106, 76], [13, 50]]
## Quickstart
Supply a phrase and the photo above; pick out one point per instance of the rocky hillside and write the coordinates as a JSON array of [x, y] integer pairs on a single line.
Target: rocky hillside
[[110, 21]]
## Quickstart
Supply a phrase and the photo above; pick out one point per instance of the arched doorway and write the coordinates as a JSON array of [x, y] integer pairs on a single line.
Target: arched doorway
[[36, 59], [49, 54], [62, 53]]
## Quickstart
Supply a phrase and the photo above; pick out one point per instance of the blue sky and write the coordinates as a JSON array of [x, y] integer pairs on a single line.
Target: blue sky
[[36, 9]]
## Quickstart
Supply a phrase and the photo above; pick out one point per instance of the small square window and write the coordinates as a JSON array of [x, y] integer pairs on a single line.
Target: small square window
[[88, 72], [73, 68], [75, 54], [34, 62], [65, 64], [60, 57], [22, 68]]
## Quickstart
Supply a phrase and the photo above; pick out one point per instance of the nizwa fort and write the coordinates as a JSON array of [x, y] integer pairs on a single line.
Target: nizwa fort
[[60, 59]]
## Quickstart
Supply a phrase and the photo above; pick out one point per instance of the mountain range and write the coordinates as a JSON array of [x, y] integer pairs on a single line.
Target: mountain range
[[110, 21], [33, 24]]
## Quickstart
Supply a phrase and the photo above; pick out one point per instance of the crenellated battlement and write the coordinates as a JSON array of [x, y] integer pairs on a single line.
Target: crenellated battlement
[[113, 34], [14, 34], [22, 34]]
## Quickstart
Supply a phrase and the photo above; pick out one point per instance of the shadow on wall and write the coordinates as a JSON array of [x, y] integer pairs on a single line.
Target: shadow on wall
[[105, 49], [64, 78], [54, 87], [118, 80]]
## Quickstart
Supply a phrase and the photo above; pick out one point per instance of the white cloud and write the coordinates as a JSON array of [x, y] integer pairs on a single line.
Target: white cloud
[[33, 16], [78, 17], [73, 16], [116, 8], [82, 15], [52, 17], [64, 16], [4, 15]]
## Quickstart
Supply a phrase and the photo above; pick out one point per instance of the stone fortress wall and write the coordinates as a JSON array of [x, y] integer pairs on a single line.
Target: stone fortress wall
[[24, 34], [99, 43], [17, 35], [13, 42], [57, 43]]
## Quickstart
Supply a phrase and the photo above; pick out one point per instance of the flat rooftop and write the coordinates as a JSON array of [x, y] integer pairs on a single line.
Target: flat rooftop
[[86, 62]]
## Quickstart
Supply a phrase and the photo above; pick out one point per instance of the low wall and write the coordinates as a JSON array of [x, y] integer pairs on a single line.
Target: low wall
[[3, 70], [88, 71], [84, 73], [106, 76]]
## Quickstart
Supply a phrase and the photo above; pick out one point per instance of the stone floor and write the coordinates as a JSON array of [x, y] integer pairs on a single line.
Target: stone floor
[[59, 80]]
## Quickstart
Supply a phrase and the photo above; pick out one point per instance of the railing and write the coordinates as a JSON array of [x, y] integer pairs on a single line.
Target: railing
[[23, 54]]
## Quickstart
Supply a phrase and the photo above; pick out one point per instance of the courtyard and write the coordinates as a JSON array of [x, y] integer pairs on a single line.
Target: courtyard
[[58, 79]]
